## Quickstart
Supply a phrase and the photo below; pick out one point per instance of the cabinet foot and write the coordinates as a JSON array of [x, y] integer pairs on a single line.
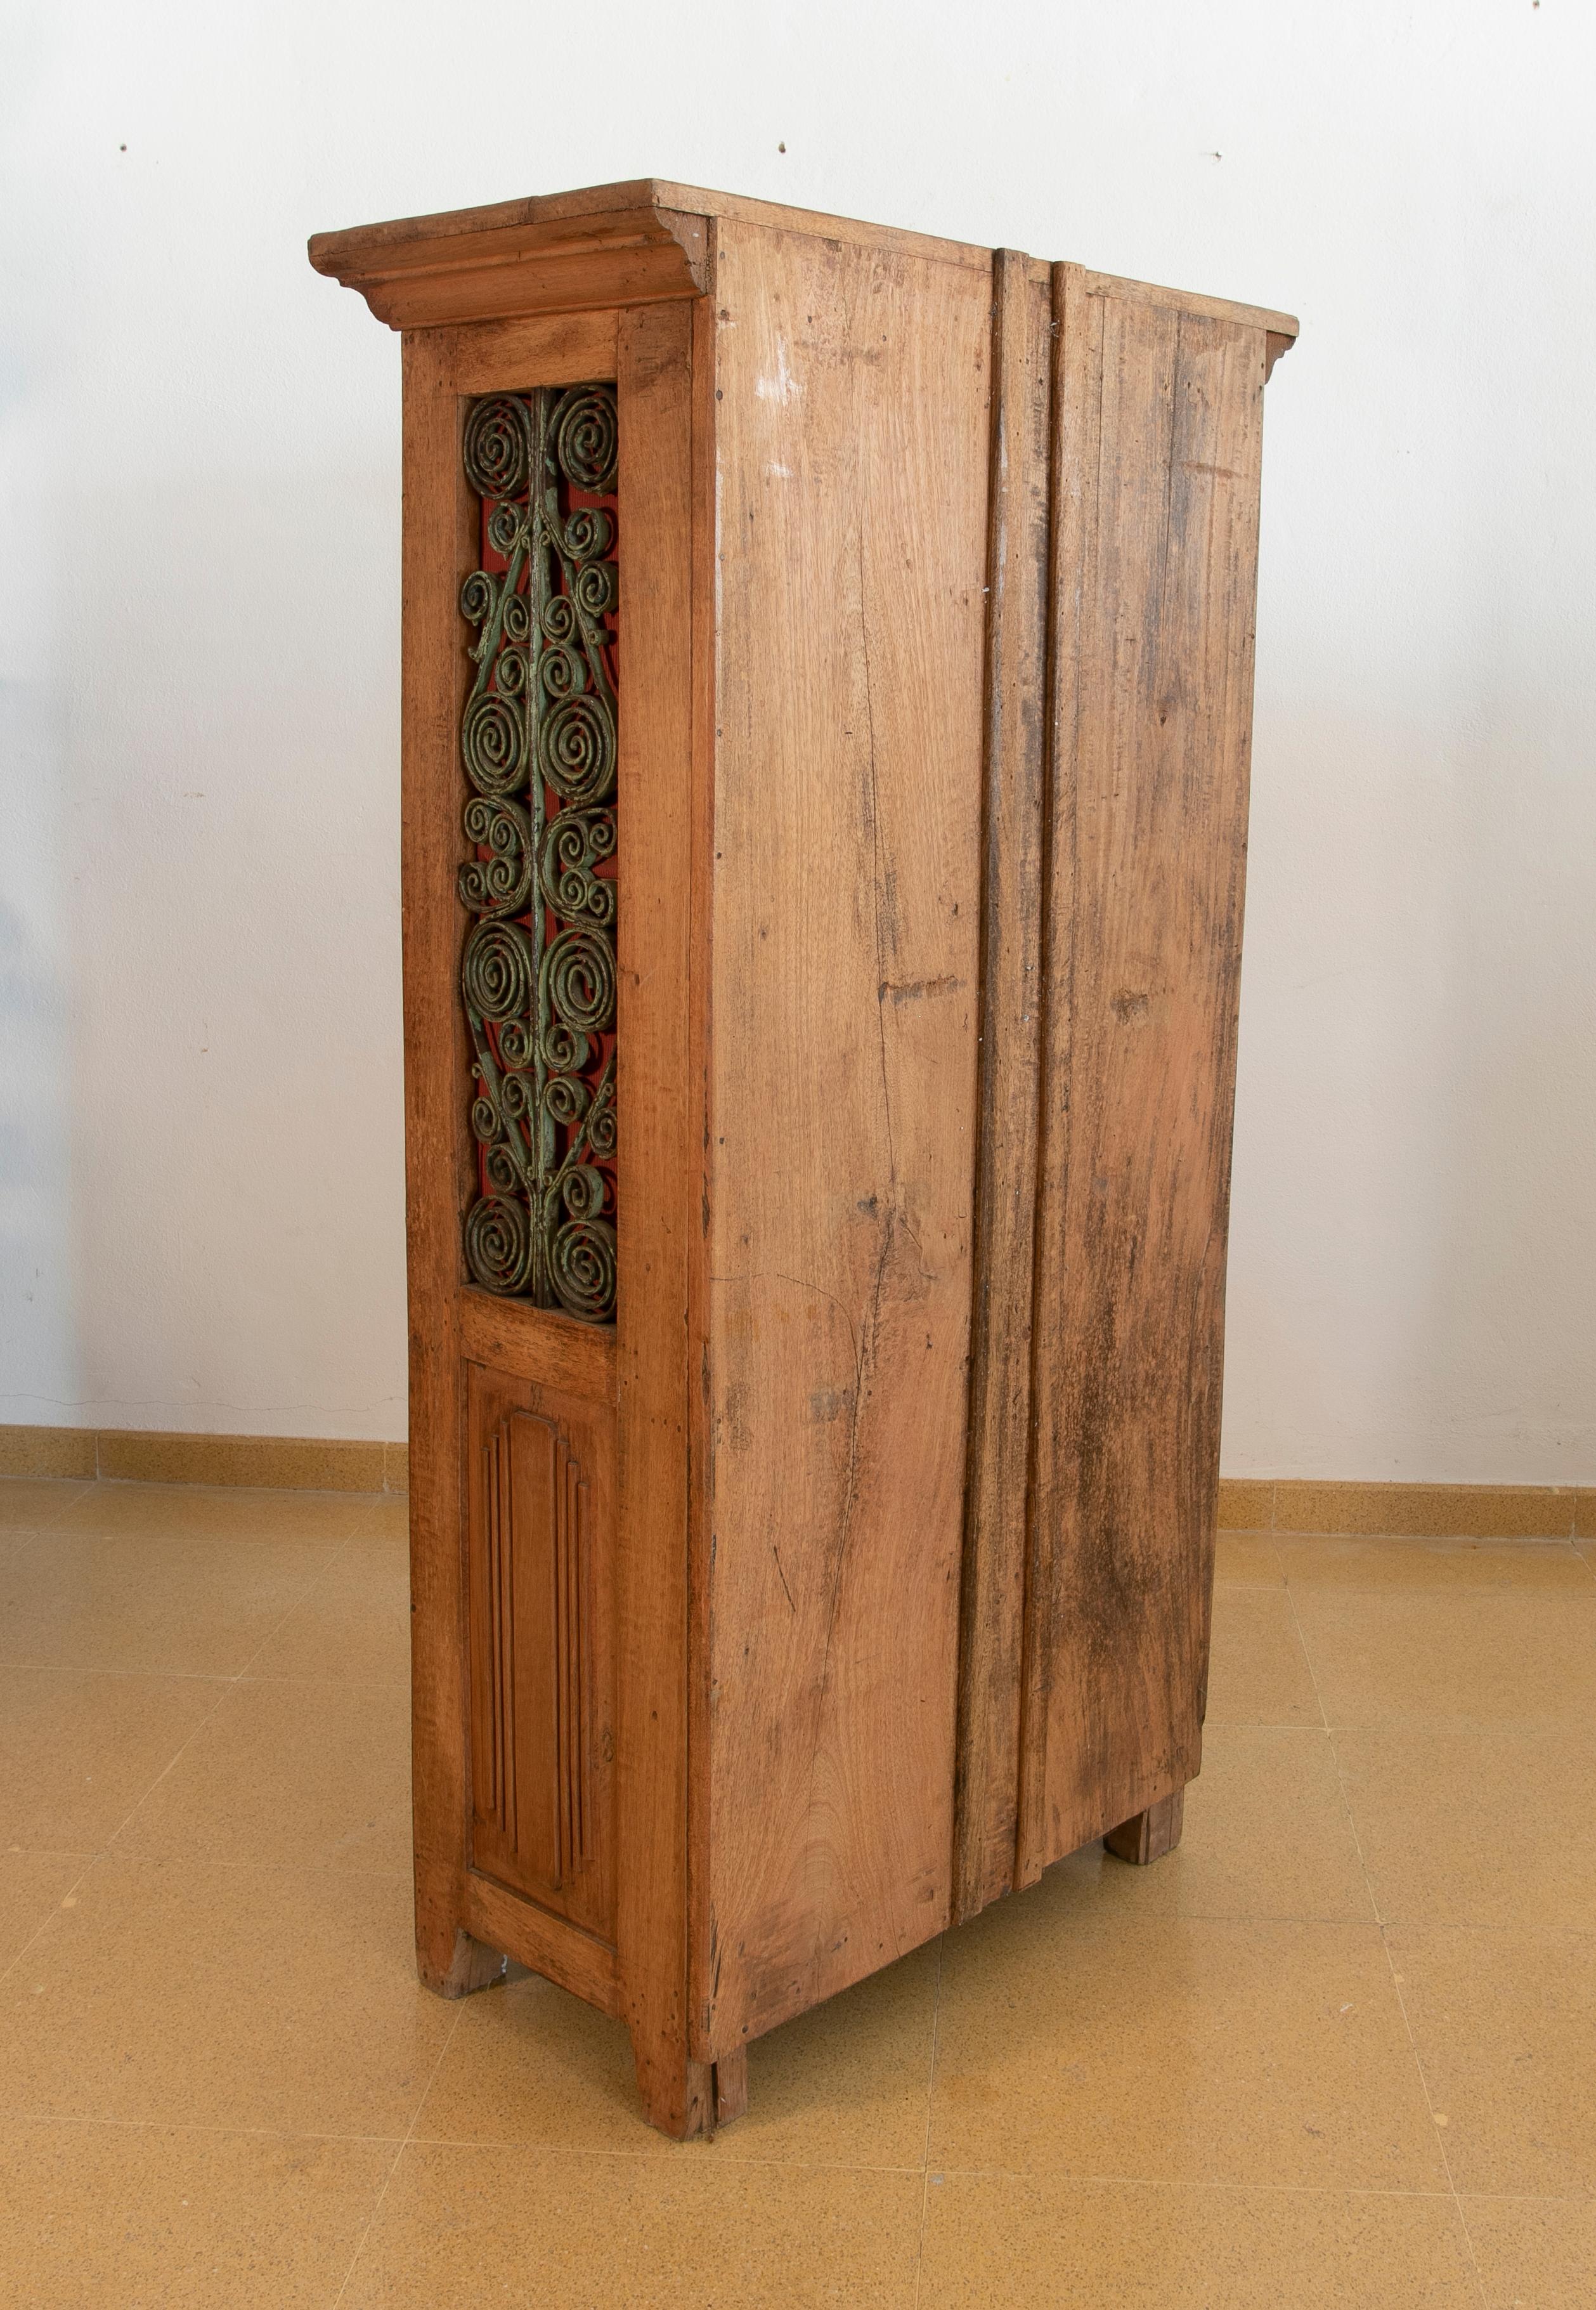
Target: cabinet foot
[[469, 1965], [1149, 1836], [730, 2086]]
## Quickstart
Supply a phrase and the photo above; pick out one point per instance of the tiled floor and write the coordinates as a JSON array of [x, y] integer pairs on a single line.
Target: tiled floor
[[1338, 2050]]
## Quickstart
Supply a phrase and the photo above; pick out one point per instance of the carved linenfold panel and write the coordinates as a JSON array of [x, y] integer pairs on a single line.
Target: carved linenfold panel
[[539, 1568], [538, 747]]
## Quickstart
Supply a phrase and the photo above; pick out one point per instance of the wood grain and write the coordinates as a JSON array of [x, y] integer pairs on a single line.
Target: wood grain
[[432, 1121], [1150, 1835], [511, 1335], [541, 1584], [658, 1215], [554, 348], [1157, 416], [547, 1944], [582, 230], [853, 455], [937, 576], [992, 1611], [425, 272], [705, 576]]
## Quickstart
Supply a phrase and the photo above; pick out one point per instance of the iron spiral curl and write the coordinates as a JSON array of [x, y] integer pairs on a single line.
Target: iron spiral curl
[[499, 447], [498, 972], [580, 979], [538, 742], [576, 749], [493, 744], [585, 437], [499, 1243], [576, 842], [499, 883], [581, 1261]]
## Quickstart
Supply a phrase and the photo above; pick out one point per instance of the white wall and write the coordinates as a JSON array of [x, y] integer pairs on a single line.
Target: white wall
[[201, 1223]]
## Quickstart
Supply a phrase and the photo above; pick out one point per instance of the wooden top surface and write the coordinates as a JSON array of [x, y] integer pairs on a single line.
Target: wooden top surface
[[650, 210]]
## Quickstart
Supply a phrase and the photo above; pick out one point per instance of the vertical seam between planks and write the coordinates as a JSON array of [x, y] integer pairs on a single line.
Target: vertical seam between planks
[[971, 1586], [1031, 1789]]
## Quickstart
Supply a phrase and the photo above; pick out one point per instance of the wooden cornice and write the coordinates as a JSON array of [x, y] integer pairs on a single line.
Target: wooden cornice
[[521, 257], [631, 244]]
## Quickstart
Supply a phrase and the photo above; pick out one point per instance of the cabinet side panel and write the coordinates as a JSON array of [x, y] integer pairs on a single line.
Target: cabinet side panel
[[995, 1550], [1157, 417], [659, 1207], [435, 521], [853, 455]]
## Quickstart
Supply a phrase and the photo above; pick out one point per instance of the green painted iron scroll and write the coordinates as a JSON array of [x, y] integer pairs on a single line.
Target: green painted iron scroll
[[538, 747]]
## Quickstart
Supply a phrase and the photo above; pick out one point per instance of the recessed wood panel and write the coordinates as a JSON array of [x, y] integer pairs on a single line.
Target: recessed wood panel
[[540, 1584]]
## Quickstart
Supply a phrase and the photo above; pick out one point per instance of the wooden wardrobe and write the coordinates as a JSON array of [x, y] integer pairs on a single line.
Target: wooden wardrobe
[[827, 685]]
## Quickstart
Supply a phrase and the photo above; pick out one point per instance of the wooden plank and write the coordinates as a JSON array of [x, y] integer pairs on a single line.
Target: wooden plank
[[992, 1611], [1187, 300], [657, 1215], [553, 347], [538, 1343], [551, 1945], [1157, 417], [483, 265], [597, 215], [532, 283], [700, 1149], [433, 1120], [852, 464]]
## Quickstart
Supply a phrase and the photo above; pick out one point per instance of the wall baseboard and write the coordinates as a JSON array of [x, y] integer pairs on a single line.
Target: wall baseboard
[[153, 1455], [1395, 1511]]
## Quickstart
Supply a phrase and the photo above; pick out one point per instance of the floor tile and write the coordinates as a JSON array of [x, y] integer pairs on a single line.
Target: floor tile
[[1506, 2028], [198, 1994], [111, 2217], [287, 1774], [997, 2239], [30, 1502], [529, 2064], [1070, 2039], [1495, 1826], [458, 2229], [1266, 1836], [1258, 1672], [78, 1750], [847, 2084], [31, 1887], [1505, 1656], [352, 1625], [223, 1511], [1456, 1566], [1534, 2253], [1247, 1560], [188, 1605]]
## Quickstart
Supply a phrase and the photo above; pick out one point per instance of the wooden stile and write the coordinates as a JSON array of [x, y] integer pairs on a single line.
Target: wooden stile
[[859, 1567]]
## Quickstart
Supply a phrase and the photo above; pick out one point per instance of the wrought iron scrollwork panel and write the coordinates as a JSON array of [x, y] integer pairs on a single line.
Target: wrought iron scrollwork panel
[[538, 747]]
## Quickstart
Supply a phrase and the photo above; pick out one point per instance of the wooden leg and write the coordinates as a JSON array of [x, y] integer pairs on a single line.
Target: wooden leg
[[471, 1964], [730, 2086], [678, 2094], [1149, 1836]]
